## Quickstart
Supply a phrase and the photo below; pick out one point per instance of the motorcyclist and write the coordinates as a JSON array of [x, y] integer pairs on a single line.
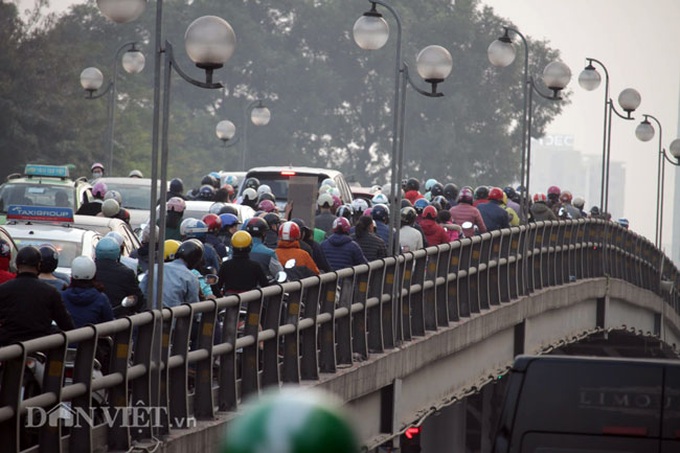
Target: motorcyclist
[[381, 214], [289, 249], [194, 228], [324, 220], [540, 211], [572, 212], [495, 217], [412, 190], [175, 211], [240, 273], [341, 251], [84, 298], [315, 250], [214, 224], [464, 212], [49, 260], [373, 247], [23, 318], [94, 206], [176, 189], [230, 225], [118, 280], [97, 171], [271, 236], [435, 234], [260, 253], [410, 239]]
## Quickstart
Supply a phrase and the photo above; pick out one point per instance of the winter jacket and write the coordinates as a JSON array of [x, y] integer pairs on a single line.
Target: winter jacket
[[464, 212], [119, 282], [28, 307], [410, 239], [266, 258], [241, 274], [180, 286], [495, 217], [218, 245], [87, 305], [318, 255], [373, 247], [288, 250], [413, 195], [383, 231], [435, 234], [541, 212], [342, 252]]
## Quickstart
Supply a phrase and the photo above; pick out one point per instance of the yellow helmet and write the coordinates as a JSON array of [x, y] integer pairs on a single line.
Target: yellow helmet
[[170, 248], [241, 241]]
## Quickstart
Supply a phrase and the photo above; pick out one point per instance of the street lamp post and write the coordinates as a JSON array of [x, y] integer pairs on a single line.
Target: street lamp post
[[645, 132], [629, 100], [91, 79], [556, 76], [225, 131], [434, 64]]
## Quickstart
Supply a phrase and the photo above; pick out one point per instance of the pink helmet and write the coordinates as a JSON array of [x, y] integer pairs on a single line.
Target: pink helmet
[[267, 206], [99, 190], [175, 204]]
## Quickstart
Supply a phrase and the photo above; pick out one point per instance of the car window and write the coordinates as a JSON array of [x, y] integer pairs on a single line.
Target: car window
[[134, 196], [279, 183], [67, 250], [43, 194]]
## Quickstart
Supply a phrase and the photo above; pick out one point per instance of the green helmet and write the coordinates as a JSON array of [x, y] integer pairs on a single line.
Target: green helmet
[[294, 420]]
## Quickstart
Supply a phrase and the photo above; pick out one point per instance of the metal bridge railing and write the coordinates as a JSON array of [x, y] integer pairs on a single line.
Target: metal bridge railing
[[181, 367]]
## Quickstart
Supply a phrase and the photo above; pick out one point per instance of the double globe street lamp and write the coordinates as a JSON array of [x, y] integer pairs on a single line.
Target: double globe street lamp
[[225, 130], [645, 132], [556, 76], [433, 63], [629, 100], [92, 79]]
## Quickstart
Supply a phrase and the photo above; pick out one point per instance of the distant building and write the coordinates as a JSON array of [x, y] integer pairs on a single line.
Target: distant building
[[555, 161]]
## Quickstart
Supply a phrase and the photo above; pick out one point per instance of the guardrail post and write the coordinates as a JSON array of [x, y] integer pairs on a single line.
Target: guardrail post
[[270, 352], [228, 393], [388, 310], [473, 277], [483, 272], [405, 300], [53, 381], [179, 376], [359, 321], [343, 325], [374, 309], [452, 282], [10, 396], [327, 303], [441, 284], [118, 435], [515, 264], [501, 249], [309, 365], [141, 387], [204, 405], [464, 277], [429, 289], [250, 360], [81, 433]]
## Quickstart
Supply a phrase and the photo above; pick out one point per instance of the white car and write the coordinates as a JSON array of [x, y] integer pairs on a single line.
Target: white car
[[198, 208], [104, 225], [136, 195], [28, 225]]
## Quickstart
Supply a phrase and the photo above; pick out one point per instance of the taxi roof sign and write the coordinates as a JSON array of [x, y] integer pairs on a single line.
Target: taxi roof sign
[[58, 171], [39, 213]]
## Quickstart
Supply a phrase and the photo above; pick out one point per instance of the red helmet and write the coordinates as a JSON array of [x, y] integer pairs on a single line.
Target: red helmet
[[213, 222], [267, 206], [337, 201], [566, 196], [496, 193], [341, 225], [289, 231], [540, 198], [554, 190], [430, 212]]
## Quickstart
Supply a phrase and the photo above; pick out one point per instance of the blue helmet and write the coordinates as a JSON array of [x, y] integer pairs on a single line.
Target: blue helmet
[[107, 249], [420, 204], [228, 220]]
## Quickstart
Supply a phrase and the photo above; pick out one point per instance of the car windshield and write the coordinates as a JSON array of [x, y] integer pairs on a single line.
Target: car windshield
[[134, 196], [279, 182], [67, 250], [36, 194]]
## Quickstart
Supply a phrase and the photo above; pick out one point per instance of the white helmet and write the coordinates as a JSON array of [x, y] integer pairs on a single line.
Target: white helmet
[[324, 188], [380, 198], [110, 207], [116, 236], [375, 188], [359, 205], [328, 182], [115, 195], [83, 268], [324, 200], [263, 188], [249, 194]]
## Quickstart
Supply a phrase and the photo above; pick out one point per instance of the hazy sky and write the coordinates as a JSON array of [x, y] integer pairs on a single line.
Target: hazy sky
[[637, 41]]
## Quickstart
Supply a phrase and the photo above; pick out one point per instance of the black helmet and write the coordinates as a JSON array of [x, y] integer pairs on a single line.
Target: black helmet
[[303, 226], [176, 186], [207, 192], [481, 193], [256, 226], [28, 256], [412, 184], [380, 212], [228, 209], [440, 202], [49, 258], [405, 202], [251, 183], [511, 193], [272, 219], [345, 211], [266, 196], [408, 215], [211, 181], [451, 191], [436, 189], [191, 252]]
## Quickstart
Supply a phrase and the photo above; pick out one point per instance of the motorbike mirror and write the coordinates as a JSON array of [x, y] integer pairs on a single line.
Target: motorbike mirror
[[467, 225], [281, 276], [211, 279], [290, 263], [129, 301]]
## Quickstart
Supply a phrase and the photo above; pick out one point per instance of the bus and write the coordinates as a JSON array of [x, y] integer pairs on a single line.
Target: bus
[[570, 404]]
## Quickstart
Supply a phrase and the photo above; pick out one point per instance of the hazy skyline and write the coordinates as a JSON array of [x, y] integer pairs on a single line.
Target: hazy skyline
[[637, 42]]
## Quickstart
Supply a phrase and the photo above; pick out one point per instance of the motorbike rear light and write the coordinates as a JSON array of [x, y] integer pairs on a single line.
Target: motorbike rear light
[[30, 363]]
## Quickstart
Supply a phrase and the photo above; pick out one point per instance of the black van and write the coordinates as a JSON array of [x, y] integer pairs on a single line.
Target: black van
[[568, 404]]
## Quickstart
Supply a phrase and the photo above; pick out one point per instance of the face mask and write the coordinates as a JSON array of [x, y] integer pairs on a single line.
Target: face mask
[[97, 174]]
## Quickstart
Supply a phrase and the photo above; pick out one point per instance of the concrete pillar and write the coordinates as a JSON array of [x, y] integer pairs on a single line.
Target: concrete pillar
[[445, 431]]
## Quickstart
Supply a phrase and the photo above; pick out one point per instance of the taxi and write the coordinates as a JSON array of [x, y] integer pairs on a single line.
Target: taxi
[[44, 185], [38, 225]]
